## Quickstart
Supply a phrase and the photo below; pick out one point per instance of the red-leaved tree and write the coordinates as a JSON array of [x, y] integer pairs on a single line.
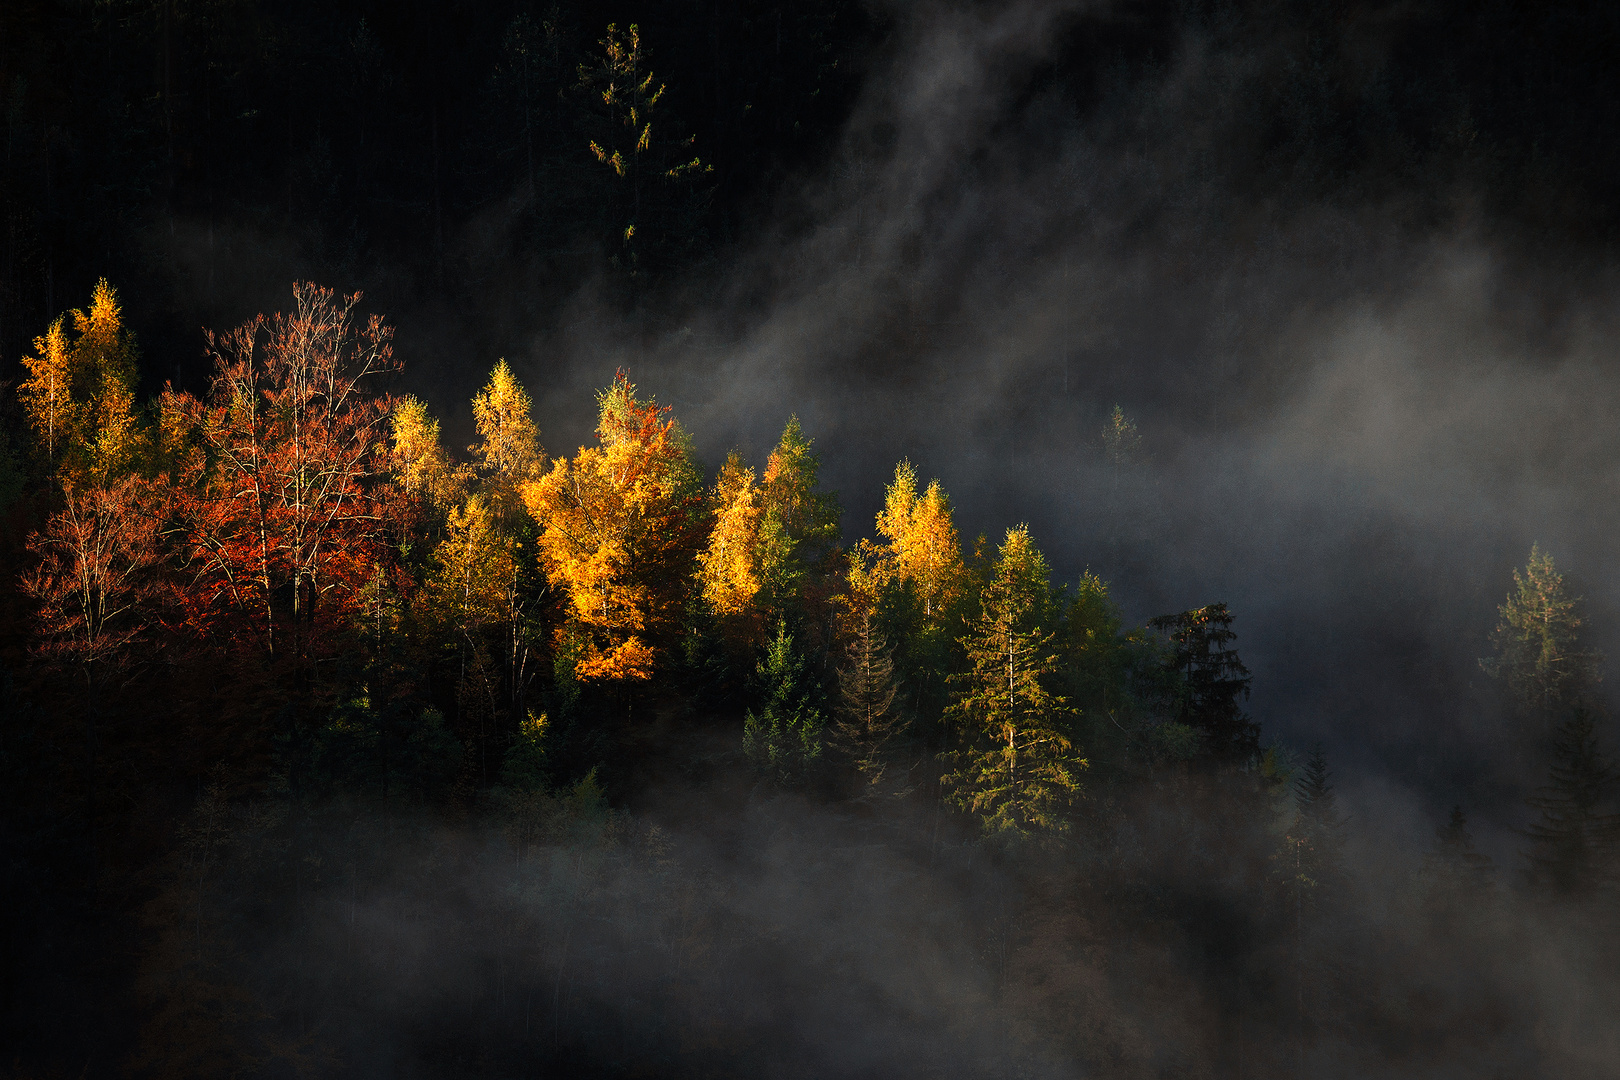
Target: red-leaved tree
[[281, 497]]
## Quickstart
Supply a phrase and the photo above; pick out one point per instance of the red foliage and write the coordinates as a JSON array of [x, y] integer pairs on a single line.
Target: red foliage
[[281, 496]]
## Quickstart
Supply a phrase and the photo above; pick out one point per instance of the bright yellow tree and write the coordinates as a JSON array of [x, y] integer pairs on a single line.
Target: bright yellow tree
[[728, 568], [921, 545], [508, 450], [419, 459], [80, 393], [620, 525]]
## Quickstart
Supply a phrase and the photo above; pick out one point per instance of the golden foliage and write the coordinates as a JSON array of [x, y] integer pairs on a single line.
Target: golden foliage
[[921, 545], [419, 461], [619, 525], [80, 393]]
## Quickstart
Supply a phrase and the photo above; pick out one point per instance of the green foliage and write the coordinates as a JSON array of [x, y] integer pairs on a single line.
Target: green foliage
[[1458, 880], [783, 738], [386, 751], [527, 765], [1210, 681], [867, 719], [1016, 768]]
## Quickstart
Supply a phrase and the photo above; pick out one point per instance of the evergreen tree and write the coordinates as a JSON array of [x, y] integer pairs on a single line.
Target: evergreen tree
[[1573, 845], [783, 738], [1016, 766], [1458, 879], [1212, 681], [1538, 652], [867, 719]]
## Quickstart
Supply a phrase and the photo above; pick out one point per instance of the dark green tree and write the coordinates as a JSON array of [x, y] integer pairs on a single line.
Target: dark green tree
[[1572, 847], [783, 737], [867, 719], [1458, 879], [1212, 682]]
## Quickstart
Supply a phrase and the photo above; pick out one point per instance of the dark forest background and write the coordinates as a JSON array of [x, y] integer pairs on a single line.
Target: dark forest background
[[893, 210]]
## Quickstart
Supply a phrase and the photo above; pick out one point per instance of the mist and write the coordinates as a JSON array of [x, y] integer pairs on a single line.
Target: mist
[[1369, 371]]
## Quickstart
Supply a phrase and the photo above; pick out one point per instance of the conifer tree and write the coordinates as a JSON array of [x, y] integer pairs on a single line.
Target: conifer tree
[[508, 452], [867, 719], [783, 737], [1016, 766], [420, 463], [1458, 879], [728, 566], [80, 392], [1211, 681], [1539, 657], [1573, 846], [651, 163], [922, 544]]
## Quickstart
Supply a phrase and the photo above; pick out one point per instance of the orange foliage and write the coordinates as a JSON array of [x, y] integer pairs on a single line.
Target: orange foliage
[[619, 529], [280, 477]]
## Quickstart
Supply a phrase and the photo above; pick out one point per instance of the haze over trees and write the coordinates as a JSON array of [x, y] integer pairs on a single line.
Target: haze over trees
[[350, 732], [289, 591]]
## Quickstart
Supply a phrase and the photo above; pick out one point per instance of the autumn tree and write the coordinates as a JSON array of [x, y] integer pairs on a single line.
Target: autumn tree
[[773, 550], [921, 547], [508, 452], [420, 464], [1538, 653], [281, 504], [94, 581], [1016, 766], [620, 525], [638, 142], [80, 391]]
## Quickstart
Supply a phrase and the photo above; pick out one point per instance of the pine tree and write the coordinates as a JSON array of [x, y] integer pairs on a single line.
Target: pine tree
[[1539, 657], [783, 738], [1016, 766], [1573, 846], [867, 719]]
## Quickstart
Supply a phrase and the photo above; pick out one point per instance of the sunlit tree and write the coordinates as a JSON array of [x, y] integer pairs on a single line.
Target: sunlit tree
[[1538, 652], [620, 527], [1017, 767]]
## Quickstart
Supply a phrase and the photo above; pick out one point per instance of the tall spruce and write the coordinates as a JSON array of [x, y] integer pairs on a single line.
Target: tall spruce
[[867, 719], [1573, 847], [1211, 681]]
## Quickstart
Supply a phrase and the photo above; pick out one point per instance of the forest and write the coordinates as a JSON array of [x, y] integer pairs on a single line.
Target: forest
[[354, 725]]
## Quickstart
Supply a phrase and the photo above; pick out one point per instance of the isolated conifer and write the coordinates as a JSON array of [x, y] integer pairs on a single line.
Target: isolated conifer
[[1457, 877], [1539, 656]]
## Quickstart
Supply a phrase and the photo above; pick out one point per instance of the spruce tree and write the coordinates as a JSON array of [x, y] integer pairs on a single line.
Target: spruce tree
[[1212, 681], [1539, 656], [1458, 879], [783, 738], [1573, 846], [867, 718]]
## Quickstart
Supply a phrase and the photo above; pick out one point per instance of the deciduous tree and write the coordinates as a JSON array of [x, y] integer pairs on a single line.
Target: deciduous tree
[[620, 526]]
